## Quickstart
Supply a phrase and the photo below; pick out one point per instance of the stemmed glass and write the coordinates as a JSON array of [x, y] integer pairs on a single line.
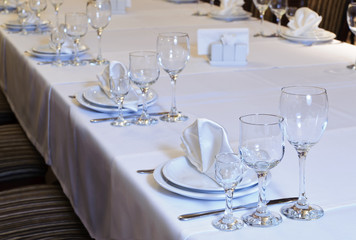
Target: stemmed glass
[[38, 6], [351, 21], [99, 16], [229, 171], [173, 54], [77, 27], [119, 88], [305, 110], [278, 7], [58, 37], [262, 6], [22, 14], [144, 71], [261, 148], [6, 10], [56, 4]]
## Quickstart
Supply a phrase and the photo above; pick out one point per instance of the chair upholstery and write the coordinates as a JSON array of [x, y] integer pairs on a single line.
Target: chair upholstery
[[6, 114], [20, 162], [38, 212]]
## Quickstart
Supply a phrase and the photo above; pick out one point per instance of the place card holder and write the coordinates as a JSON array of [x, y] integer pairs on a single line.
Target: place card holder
[[228, 54], [119, 6]]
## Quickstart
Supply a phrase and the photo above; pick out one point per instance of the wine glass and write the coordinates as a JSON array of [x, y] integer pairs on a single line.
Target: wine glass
[[56, 4], [58, 37], [119, 88], [261, 148], [262, 6], [173, 54], [351, 21], [38, 6], [293, 7], [278, 8], [144, 71], [305, 110], [99, 16], [5, 4], [229, 171], [77, 27], [22, 14]]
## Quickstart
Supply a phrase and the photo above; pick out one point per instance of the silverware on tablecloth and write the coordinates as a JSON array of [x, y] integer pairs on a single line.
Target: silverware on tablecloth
[[96, 120], [145, 171], [190, 216]]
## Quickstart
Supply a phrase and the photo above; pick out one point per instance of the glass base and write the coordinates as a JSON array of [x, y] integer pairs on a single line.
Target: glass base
[[146, 121], [307, 213], [228, 224], [123, 123], [256, 219], [78, 63], [353, 67], [174, 118], [98, 62]]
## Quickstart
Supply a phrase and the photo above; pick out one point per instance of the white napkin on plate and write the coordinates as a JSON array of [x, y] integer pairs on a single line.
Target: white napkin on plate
[[117, 69], [230, 7], [202, 141], [304, 23]]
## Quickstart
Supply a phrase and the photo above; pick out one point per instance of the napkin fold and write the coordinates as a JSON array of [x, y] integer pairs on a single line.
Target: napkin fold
[[304, 23], [230, 7], [117, 69], [202, 141]]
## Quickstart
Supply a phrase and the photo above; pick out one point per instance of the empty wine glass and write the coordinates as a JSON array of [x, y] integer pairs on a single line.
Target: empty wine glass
[[262, 6], [76, 27], [5, 6], [56, 4], [22, 14], [119, 88], [305, 110], [351, 21], [173, 54], [38, 6], [144, 71], [229, 171], [278, 8], [293, 7], [58, 37], [99, 16], [261, 148]]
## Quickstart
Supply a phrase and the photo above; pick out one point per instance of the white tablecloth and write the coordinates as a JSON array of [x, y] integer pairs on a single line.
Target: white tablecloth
[[96, 164]]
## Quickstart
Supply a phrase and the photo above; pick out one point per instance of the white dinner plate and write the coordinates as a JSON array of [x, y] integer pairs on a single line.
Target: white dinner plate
[[48, 50], [97, 97], [183, 1], [241, 15], [321, 36], [183, 174], [14, 25], [157, 175], [97, 108]]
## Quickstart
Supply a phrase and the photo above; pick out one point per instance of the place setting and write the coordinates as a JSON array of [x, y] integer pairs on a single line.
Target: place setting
[[229, 10]]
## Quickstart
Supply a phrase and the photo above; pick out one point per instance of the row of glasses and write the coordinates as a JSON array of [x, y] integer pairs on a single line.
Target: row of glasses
[[304, 116]]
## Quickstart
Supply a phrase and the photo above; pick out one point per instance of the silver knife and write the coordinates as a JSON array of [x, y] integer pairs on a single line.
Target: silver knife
[[96, 120], [189, 216]]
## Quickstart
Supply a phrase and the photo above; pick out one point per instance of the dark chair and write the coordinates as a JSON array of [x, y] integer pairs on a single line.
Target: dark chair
[[38, 212], [6, 114]]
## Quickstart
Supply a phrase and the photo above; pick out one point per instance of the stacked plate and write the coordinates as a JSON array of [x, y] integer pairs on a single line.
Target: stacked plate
[[181, 177], [15, 26], [47, 52], [95, 99], [318, 36], [233, 16]]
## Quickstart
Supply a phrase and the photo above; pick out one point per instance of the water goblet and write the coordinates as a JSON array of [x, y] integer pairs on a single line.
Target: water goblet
[[278, 8], [38, 6], [262, 6], [144, 71], [99, 16], [351, 21], [58, 37], [261, 149], [305, 110], [119, 88], [229, 171], [77, 27], [173, 54], [56, 4]]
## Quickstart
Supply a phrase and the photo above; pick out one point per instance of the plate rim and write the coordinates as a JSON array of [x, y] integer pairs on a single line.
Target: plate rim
[[308, 39]]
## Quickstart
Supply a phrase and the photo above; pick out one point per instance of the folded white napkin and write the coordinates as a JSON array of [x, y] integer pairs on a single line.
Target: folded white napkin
[[202, 141], [117, 69], [304, 23], [230, 7]]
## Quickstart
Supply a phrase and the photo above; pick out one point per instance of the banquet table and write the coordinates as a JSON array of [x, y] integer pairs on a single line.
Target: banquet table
[[96, 163]]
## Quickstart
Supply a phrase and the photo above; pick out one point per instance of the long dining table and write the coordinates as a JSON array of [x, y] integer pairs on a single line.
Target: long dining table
[[96, 163]]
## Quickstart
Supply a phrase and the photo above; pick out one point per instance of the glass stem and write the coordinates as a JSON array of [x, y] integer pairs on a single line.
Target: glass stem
[[76, 58], [120, 116], [99, 33], [302, 200], [144, 103], [58, 53], [173, 111], [57, 18], [261, 25], [279, 27], [228, 207], [262, 206]]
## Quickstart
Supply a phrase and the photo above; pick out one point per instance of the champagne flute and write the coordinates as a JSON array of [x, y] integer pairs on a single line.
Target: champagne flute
[[38, 6], [119, 88], [305, 110], [229, 171], [99, 16], [262, 6], [261, 148], [58, 37], [351, 21], [278, 8], [77, 27], [56, 4], [144, 71], [173, 54]]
